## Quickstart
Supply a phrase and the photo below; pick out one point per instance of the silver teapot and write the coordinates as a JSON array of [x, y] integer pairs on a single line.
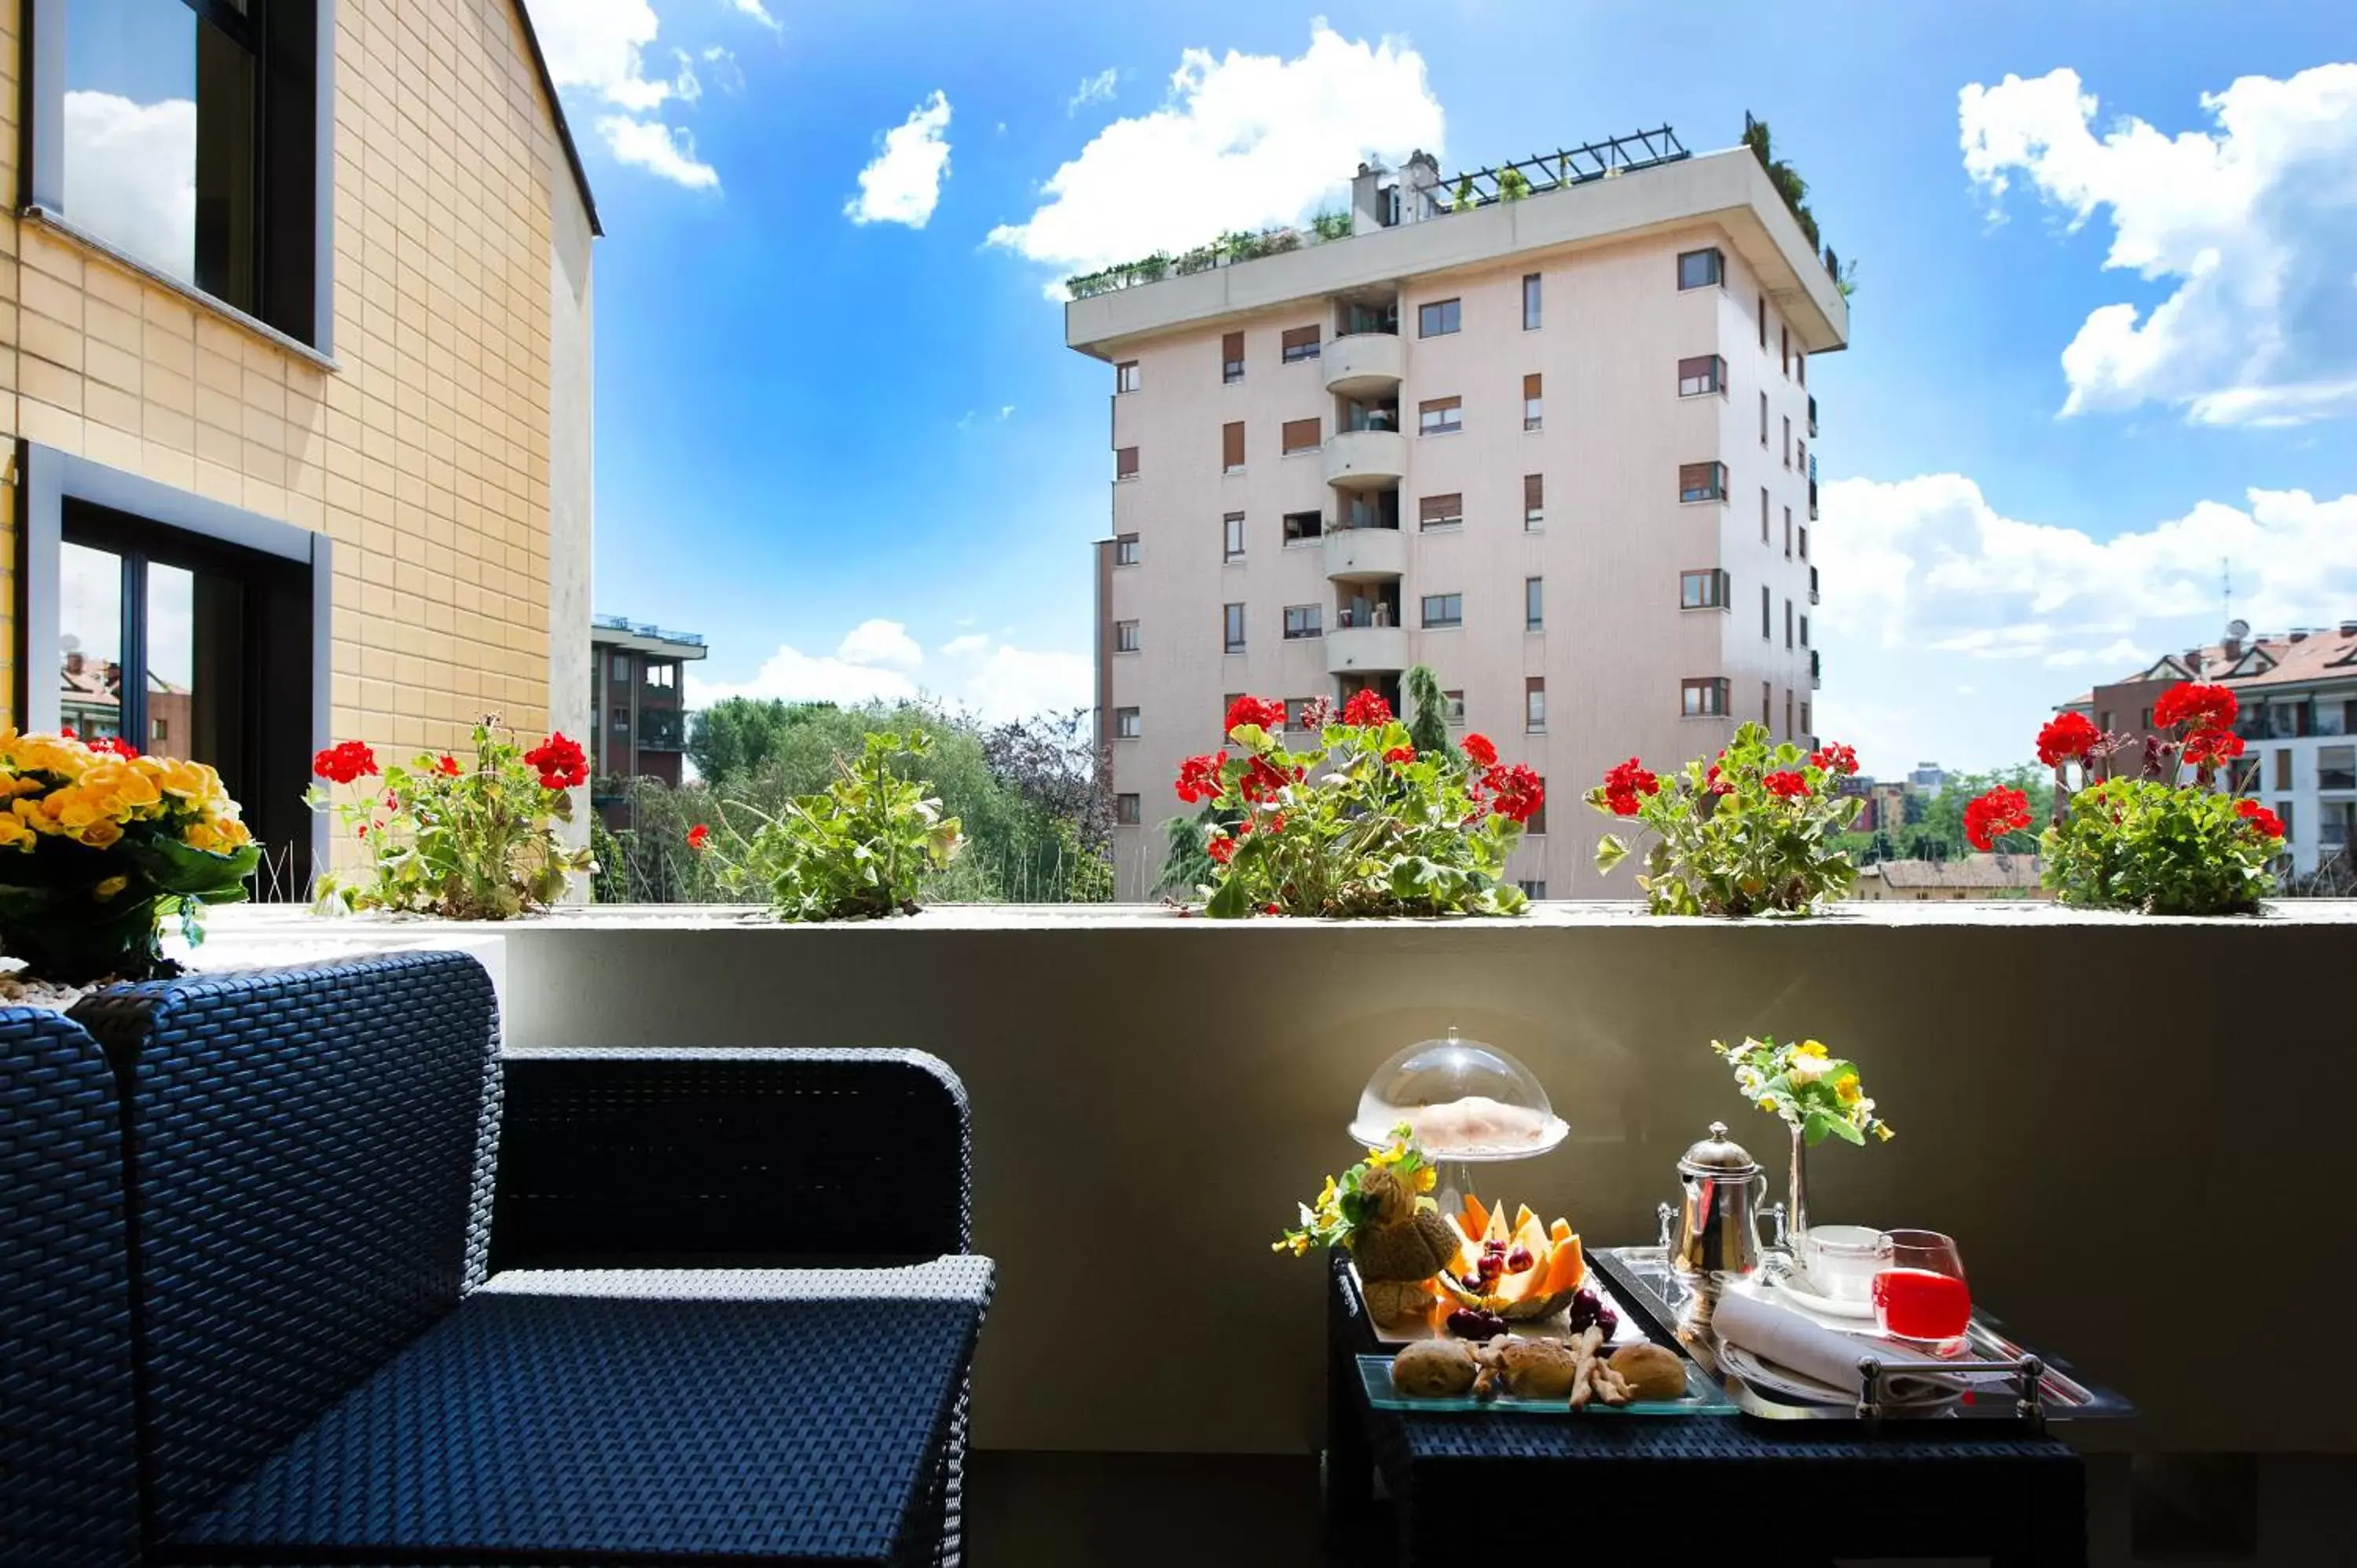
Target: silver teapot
[[1717, 1232]]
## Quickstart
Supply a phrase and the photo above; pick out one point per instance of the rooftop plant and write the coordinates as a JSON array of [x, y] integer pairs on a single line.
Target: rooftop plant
[[1795, 192]]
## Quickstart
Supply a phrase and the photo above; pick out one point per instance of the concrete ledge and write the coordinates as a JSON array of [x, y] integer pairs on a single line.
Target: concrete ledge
[[2134, 1127]]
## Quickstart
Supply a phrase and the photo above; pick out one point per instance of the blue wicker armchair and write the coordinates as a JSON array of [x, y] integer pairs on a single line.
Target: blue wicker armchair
[[706, 1338]]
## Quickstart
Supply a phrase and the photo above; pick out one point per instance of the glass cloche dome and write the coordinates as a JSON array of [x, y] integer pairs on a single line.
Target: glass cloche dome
[[1466, 1100]]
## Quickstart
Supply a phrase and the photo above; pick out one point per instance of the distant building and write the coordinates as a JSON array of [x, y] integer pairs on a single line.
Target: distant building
[[2298, 725], [638, 728], [1974, 876], [1929, 778]]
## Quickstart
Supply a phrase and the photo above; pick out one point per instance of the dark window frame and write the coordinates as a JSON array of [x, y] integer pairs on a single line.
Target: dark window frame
[[1425, 611], [1451, 315], [1716, 268]]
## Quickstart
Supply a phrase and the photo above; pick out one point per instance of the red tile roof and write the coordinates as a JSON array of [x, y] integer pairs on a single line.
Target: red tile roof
[[2328, 655]]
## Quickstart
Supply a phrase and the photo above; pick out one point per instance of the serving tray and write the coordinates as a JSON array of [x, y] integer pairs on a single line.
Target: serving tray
[[2007, 1382], [1703, 1396], [1433, 1325]]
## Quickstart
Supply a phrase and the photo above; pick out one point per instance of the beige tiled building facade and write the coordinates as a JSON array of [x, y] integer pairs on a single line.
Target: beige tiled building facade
[[1556, 448], [294, 354]]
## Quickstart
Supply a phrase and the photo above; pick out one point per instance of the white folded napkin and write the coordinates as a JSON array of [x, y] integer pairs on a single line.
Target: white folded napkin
[[1780, 1334]]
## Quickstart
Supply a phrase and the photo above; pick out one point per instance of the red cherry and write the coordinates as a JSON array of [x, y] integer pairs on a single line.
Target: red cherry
[[1518, 1261], [1491, 1264], [1472, 1282]]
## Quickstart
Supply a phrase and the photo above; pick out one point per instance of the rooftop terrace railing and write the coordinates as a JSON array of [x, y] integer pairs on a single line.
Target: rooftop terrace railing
[[645, 628]]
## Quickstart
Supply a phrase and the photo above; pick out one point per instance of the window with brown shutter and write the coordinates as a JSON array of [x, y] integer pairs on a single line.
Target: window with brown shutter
[[1231, 447], [1532, 403], [1232, 357], [1702, 481], [1300, 343], [1440, 511], [1300, 435], [1440, 416], [1125, 462], [1534, 500]]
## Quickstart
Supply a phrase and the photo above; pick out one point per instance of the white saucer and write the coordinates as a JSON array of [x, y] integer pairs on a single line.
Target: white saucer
[[1797, 1294]]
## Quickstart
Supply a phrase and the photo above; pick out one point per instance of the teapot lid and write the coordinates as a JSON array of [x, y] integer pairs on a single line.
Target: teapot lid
[[1717, 1155]]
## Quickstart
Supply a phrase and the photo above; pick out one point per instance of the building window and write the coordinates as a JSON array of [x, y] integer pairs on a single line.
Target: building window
[[621, 719], [1535, 704], [1767, 705], [1804, 532], [1297, 714], [1436, 319], [2336, 823], [1801, 365], [1700, 269], [1125, 636], [1787, 533], [1453, 707], [1788, 622], [1763, 514], [1804, 635], [1533, 503], [1799, 454], [1784, 348], [1125, 462], [621, 667], [2336, 767], [1536, 826], [223, 194], [1533, 403], [1301, 621], [1231, 447], [1763, 324], [1702, 698], [1532, 889], [1702, 375], [1807, 734], [1442, 610], [1440, 511], [1702, 482], [1440, 416], [1231, 628], [1127, 725], [1124, 549], [1299, 435], [1788, 441], [1533, 604], [1299, 343], [1703, 590], [1301, 527], [1232, 536], [2283, 766], [1763, 421], [1127, 811], [1530, 301], [1125, 376], [2282, 811], [1766, 615], [1232, 357]]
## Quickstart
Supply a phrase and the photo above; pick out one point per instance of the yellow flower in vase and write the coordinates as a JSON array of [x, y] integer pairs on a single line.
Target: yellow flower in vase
[[1845, 1088]]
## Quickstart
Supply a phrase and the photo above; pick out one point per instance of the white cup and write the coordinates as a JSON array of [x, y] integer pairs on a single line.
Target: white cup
[[1839, 1262]]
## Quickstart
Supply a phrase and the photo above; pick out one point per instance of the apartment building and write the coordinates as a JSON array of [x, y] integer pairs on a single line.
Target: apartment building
[[294, 327], [2298, 691], [1558, 448], [638, 707]]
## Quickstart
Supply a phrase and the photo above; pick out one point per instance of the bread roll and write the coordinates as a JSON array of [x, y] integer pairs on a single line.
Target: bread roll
[[1533, 1369], [1434, 1369], [1651, 1372]]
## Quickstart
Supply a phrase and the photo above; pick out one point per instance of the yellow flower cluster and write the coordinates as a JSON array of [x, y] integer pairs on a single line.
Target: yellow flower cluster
[[56, 786]]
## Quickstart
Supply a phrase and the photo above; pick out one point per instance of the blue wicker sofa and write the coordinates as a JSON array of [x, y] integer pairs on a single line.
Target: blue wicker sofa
[[298, 1268]]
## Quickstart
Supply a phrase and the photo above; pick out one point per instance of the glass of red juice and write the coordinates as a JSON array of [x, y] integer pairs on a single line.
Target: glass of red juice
[[1918, 1288]]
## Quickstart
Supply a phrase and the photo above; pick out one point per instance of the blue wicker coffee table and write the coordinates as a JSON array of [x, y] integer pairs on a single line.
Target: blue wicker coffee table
[[1717, 1487]]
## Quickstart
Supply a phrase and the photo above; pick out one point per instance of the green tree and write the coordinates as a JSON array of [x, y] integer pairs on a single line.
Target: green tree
[[1943, 813], [736, 735], [1427, 715]]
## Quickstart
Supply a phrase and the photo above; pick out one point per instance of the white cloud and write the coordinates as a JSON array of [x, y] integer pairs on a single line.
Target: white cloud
[[903, 182], [1006, 410], [1925, 581], [665, 150], [726, 72], [878, 660], [1241, 142], [758, 12], [600, 45], [2256, 222], [684, 85], [130, 174], [1097, 89]]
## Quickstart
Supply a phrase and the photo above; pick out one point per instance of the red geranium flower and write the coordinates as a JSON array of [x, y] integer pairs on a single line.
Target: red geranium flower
[[562, 762], [1399, 756], [1367, 710], [342, 764], [114, 746], [2207, 748], [1990, 817], [2191, 706], [2268, 824], [699, 836], [2066, 738], [1715, 783], [1199, 778], [1786, 784], [1631, 777], [1271, 908], [1263, 780], [1520, 791], [448, 764], [1479, 748], [1222, 849], [1836, 759], [1266, 711]]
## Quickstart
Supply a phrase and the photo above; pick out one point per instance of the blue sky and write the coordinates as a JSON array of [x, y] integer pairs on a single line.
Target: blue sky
[[857, 457]]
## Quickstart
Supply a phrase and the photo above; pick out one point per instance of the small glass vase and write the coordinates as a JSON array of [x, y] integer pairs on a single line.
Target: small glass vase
[[1796, 1204]]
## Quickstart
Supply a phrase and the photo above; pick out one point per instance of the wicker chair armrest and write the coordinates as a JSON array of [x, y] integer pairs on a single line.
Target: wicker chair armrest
[[698, 1158]]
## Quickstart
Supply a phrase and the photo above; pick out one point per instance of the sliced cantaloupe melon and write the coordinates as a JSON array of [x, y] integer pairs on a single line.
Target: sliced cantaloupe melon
[[1522, 1218], [1560, 1231], [1496, 1230], [1529, 1233], [1477, 1218], [1567, 1268], [1469, 1244]]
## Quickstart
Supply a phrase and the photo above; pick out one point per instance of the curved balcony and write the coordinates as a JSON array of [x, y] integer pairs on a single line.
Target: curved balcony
[[1362, 364], [1356, 554], [1366, 649], [1365, 459]]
